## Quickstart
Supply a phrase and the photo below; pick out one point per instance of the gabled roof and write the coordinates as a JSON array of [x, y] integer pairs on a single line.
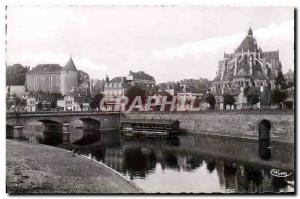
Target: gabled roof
[[70, 65]]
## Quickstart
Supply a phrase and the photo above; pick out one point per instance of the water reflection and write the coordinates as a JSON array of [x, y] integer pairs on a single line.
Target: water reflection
[[189, 163]]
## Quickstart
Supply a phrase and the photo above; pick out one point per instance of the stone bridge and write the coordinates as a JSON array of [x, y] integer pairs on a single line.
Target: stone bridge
[[95, 120]]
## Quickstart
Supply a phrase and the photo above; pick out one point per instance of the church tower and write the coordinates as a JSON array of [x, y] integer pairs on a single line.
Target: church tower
[[69, 77]]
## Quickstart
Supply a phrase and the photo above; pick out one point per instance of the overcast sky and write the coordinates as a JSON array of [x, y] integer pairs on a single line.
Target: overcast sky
[[169, 43]]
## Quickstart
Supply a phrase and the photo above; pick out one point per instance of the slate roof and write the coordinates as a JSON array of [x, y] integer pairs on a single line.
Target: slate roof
[[248, 43], [46, 68], [70, 65]]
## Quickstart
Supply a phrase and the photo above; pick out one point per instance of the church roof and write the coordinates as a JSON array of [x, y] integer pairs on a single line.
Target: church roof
[[46, 68], [227, 76], [242, 74], [248, 43], [70, 65]]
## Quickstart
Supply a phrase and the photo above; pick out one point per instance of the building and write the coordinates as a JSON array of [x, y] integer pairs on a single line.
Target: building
[[76, 100], [142, 80], [70, 104], [97, 86], [52, 78], [247, 65], [31, 104], [117, 87], [114, 89]]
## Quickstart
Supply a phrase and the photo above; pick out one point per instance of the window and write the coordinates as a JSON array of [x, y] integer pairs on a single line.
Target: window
[[50, 86], [35, 87]]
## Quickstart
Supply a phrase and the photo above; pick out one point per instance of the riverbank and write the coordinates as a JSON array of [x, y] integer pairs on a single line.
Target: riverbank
[[34, 168]]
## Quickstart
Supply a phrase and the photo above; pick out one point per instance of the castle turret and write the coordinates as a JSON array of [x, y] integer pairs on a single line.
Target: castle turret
[[69, 77]]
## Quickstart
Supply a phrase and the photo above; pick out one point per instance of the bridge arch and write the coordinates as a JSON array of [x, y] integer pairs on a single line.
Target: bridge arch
[[48, 125], [89, 122], [264, 128]]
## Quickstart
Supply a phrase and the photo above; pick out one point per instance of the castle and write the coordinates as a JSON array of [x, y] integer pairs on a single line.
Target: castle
[[247, 66], [53, 78]]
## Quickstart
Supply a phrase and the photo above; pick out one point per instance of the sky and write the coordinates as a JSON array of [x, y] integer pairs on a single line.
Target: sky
[[169, 43]]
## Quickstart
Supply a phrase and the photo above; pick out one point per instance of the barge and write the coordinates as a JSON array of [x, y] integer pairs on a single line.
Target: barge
[[149, 128]]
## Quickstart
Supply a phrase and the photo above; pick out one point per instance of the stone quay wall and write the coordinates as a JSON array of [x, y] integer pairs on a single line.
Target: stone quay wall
[[240, 124]]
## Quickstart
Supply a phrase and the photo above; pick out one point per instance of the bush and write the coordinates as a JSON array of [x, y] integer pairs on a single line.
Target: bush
[[228, 99], [278, 96], [210, 99]]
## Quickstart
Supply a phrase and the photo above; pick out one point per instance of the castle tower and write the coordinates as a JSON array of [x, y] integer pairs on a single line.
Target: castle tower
[[69, 77]]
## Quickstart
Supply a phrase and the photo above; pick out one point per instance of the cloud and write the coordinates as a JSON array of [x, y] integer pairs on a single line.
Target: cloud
[[279, 31]]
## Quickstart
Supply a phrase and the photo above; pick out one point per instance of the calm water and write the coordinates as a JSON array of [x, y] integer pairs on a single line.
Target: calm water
[[189, 163]]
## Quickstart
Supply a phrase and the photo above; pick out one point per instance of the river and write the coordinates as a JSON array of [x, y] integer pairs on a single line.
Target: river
[[190, 163]]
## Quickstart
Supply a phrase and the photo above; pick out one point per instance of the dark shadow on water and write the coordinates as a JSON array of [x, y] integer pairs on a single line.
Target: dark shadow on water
[[204, 157]]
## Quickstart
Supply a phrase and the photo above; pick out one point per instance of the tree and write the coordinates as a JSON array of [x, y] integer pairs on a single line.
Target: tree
[[211, 100], [228, 99], [39, 106], [278, 96], [251, 95], [134, 91], [16, 74], [95, 102], [54, 98], [252, 98], [19, 103]]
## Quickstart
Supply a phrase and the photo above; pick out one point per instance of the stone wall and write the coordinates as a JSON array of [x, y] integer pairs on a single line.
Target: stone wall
[[242, 124]]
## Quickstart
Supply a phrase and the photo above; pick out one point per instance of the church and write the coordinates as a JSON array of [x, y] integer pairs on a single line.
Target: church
[[52, 78], [248, 65]]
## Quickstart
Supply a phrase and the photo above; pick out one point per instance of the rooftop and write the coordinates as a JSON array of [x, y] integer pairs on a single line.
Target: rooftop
[[44, 68], [141, 75]]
